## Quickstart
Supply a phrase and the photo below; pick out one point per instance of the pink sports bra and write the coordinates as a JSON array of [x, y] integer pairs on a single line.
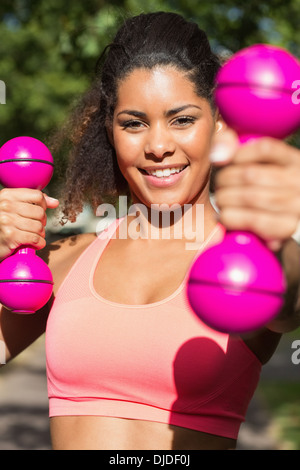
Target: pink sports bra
[[155, 362]]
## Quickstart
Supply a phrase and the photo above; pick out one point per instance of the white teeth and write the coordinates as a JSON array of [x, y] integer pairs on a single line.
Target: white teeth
[[165, 172]]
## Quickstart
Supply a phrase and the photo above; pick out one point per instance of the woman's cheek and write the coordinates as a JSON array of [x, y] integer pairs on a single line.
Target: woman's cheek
[[128, 152]]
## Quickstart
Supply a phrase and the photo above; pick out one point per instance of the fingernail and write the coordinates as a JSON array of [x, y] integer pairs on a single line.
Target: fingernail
[[52, 199], [220, 153]]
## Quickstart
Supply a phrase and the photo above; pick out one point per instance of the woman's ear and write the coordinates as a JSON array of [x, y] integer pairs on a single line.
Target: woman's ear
[[220, 123], [219, 126]]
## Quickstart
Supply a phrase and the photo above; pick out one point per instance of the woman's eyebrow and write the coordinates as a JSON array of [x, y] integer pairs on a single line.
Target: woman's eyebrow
[[132, 112], [171, 112]]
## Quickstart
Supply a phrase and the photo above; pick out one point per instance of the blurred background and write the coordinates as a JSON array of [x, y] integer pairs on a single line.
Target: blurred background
[[48, 50]]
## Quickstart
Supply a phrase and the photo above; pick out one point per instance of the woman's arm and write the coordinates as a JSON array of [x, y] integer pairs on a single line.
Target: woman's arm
[[289, 317], [19, 331]]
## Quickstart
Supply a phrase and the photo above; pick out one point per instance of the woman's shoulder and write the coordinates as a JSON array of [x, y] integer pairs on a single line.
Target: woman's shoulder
[[61, 254]]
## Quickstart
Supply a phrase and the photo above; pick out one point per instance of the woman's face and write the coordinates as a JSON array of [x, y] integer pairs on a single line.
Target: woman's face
[[162, 132]]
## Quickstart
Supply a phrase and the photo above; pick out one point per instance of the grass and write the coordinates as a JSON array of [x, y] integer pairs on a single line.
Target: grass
[[283, 402]]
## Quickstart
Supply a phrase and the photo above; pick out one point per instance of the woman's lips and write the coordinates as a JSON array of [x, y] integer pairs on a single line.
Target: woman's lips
[[163, 181]]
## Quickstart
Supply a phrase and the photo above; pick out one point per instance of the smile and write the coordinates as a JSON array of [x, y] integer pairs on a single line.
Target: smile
[[163, 172], [163, 177]]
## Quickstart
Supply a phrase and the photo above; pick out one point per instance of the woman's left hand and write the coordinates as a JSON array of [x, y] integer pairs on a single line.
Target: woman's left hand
[[257, 186]]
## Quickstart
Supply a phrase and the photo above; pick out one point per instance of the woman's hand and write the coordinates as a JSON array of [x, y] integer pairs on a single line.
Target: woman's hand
[[23, 219], [257, 186]]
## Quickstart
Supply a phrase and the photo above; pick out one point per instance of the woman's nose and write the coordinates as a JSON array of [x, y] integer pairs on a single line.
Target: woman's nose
[[159, 142]]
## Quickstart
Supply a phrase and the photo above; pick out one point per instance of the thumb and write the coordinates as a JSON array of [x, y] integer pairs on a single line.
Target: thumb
[[51, 202]]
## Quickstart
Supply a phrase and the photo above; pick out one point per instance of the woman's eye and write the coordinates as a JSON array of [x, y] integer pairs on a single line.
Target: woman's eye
[[132, 124], [184, 120]]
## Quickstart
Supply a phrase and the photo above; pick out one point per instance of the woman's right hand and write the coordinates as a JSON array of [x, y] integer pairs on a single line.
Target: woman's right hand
[[23, 218]]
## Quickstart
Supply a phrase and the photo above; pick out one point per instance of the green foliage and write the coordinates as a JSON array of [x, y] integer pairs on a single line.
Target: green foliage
[[283, 402], [48, 48]]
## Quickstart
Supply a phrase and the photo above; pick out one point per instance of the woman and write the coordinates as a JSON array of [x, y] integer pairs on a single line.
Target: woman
[[129, 365]]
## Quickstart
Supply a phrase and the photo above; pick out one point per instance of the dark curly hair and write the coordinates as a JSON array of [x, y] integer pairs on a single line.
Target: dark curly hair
[[144, 41]]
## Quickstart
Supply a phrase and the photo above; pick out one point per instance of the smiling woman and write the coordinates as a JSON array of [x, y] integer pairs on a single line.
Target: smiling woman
[[145, 44], [129, 365], [162, 130]]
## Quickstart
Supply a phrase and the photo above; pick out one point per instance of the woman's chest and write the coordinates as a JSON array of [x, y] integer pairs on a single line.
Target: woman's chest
[[137, 275]]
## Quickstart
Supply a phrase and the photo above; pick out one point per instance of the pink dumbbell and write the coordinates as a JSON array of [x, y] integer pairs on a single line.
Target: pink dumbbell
[[238, 285], [25, 280]]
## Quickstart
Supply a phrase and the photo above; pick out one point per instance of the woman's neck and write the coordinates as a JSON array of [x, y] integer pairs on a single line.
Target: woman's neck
[[190, 223]]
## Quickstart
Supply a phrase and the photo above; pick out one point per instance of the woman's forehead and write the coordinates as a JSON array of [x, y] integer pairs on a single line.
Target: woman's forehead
[[158, 86]]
